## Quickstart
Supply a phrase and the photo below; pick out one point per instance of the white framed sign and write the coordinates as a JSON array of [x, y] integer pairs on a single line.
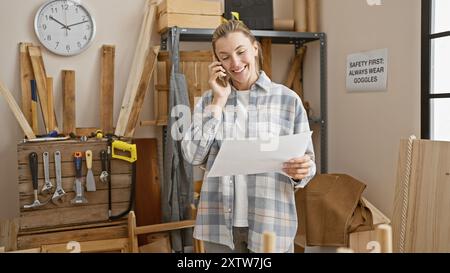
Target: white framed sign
[[367, 71]]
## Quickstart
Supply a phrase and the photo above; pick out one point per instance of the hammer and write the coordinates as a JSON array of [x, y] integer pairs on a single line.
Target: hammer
[[33, 160]]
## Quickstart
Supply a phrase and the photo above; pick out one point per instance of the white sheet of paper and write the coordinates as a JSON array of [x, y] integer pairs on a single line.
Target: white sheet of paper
[[252, 156]]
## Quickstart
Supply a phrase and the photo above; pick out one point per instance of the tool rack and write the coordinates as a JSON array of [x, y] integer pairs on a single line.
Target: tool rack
[[52, 222]]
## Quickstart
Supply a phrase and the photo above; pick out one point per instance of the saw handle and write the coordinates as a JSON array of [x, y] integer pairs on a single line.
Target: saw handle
[[78, 159], [89, 159], [104, 159], [118, 145], [33, 160]]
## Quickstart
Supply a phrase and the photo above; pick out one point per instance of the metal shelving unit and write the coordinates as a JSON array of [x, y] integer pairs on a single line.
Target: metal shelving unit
[[297, 39]]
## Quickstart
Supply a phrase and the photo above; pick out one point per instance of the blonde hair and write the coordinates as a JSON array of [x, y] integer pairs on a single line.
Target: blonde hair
[[236, 26]]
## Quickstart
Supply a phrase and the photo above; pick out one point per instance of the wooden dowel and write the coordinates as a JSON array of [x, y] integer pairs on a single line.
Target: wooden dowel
[[269, 241], [300, 15]]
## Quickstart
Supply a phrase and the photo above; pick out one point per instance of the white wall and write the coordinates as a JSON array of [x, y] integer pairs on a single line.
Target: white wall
[[365, 128]]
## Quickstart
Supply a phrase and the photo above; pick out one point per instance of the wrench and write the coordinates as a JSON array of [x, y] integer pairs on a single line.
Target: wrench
[[47, 187], [59, 192]]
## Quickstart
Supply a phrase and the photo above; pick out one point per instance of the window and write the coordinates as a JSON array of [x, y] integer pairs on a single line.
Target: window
[[435, 69]]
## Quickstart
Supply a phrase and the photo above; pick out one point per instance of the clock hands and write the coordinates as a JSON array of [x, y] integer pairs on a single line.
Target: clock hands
[[63, 25], [77, 23]]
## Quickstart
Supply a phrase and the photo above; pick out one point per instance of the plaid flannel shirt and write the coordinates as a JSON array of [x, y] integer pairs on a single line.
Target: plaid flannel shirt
[[274, 110]]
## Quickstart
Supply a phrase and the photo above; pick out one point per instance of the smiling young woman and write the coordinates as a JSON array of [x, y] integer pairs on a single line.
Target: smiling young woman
[[235, 211]]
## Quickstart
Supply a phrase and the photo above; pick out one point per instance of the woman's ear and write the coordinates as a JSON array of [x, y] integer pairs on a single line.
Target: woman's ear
[[256, 48]]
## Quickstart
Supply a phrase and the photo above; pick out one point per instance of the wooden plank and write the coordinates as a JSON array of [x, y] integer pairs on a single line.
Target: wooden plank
[[69, 107], [29, 250], [295, 67], [107, 88], [99, 246], [167, 20], [137, 67], [190, 7], [68, 169], [378, 240], [9, 229], [81, 234], [16, 111], [313, 14], [298, 84], [26, 75], [377, 216], [148, 190], [50, 104], [427, 217], [68, 216], [118, 181], [139, 96], [41, 82], [266, 44], [300, 15], [165, 227], [157, 243]]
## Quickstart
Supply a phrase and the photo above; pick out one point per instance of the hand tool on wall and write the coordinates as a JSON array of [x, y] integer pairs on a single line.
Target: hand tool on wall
[[33, 161], [104, 158], [57, 197], [48, 186], [77, 186], [133, 157], [90, 181], [34, 109], [121, 146]]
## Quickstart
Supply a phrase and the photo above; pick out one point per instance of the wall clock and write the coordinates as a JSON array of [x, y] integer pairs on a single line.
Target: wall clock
[[65, 27]]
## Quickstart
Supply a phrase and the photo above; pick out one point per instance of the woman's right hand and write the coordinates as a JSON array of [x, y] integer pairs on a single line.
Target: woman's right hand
[[220, 92]]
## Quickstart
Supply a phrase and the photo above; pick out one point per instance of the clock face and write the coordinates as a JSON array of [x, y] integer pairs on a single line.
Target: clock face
[[64, 27]]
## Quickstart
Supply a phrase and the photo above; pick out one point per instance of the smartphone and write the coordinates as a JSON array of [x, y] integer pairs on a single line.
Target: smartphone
[[223, 80]]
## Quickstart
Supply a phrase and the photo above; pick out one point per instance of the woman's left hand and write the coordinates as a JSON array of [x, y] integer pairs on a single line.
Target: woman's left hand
[[298, 167]]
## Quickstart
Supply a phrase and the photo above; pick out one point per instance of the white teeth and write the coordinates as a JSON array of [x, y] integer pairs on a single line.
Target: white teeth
[[239, 71]]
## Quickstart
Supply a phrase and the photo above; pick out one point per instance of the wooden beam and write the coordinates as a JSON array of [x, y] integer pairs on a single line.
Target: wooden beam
[[148, 192], [41, 82], [266, 44], [69, 111], [107, 89], [144, 83], [26, 75], [165, 227], [295, 67], [137, 68], [50, 104], [16, 111]]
